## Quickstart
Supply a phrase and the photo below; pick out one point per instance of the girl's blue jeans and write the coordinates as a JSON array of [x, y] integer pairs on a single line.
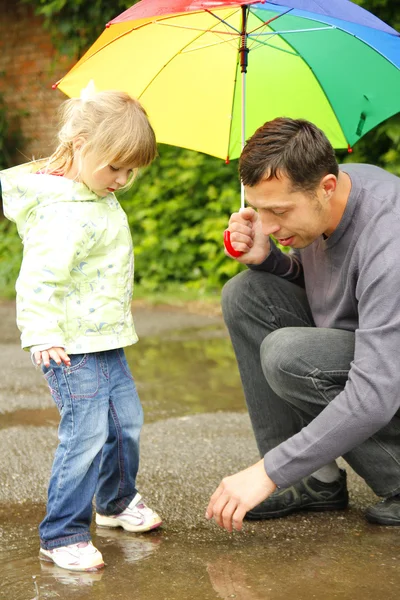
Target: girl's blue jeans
[[98, 453]]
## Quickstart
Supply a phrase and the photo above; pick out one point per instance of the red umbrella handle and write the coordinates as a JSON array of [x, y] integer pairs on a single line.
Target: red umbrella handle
[[228, 245]]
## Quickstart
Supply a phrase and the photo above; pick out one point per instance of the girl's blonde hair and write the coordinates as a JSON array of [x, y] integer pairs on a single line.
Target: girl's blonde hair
[[115, 128]]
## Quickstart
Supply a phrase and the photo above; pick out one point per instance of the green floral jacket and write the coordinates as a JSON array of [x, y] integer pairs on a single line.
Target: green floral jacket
[[75, 285]]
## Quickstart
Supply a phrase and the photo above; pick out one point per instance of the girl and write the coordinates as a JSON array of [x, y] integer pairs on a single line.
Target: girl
[[73, 310]]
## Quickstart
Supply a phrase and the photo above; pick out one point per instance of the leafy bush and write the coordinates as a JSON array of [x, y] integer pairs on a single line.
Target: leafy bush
[[380, 146], [10, 244], [177, 211], [10, 135], [10, 257], [75, 24]]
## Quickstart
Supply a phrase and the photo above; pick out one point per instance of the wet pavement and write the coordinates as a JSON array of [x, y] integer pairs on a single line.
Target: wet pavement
[[196, 432]]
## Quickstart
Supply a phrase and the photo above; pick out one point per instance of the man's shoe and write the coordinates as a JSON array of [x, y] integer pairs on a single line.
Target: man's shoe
[[137, 517], [307, 494], [75, 557], [386, 512]]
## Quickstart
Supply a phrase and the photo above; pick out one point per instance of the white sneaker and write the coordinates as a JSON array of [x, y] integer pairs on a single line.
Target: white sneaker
[[75, 557], [137, 517]]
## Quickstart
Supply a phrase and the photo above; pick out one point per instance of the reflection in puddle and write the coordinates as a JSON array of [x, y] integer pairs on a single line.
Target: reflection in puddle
[[30, 417], [134, 547], [50, 573], [320, 570], [189, 375]]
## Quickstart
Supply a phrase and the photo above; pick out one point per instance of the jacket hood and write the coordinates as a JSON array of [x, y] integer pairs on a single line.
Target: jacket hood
[[23, 190]]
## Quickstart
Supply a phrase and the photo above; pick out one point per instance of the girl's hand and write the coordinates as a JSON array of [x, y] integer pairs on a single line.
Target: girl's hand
[[246, 236], [57, 354]]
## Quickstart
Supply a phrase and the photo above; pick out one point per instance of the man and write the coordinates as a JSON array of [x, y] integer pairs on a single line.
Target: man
[[316, 331]]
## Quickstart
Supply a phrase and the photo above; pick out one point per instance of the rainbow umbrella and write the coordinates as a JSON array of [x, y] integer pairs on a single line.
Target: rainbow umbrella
[[332, 63], [210, 72]]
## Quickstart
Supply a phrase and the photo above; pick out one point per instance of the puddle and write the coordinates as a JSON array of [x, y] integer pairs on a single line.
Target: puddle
[[168, 566], [30, 418], [184, 373], [184, 379]]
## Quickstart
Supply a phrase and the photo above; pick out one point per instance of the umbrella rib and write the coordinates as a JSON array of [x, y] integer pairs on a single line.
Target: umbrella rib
[[180, 51], [328, 101], [233, 103], [320, 19], [222, 20], [197, 29], [155, 22], [261, 43], [274, 32], [234, 35], [317, 80], [269, 20], [210, 45], [370, 46]]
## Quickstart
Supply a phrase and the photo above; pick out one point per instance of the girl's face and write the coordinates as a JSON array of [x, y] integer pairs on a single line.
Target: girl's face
[[105, 180], [100, 181]]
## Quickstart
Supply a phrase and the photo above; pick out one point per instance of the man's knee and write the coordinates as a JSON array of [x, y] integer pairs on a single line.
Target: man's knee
[[246, 294], [233, 297], [277, 353]]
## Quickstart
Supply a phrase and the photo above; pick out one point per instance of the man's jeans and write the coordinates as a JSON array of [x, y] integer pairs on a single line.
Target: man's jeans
[[291, 370], [98, 453]]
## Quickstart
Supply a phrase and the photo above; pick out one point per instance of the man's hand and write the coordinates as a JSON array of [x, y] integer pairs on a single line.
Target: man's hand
[[238, 494], [247, 237], [57, 354]]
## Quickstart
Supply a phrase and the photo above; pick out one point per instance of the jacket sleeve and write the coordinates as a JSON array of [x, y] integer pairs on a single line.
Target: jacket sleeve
[[56, 242], [371, 396], [288, 266]]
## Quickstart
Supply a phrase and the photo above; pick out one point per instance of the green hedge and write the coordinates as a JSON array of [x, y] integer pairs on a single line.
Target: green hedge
[[177, 211]]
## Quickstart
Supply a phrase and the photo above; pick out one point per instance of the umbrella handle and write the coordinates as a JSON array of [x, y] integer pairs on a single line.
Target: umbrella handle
[[228, 246]]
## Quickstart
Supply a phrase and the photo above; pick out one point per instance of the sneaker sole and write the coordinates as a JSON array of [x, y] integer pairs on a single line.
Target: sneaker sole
[[381, 521], [109, 523], [90, 569], [285, 512]]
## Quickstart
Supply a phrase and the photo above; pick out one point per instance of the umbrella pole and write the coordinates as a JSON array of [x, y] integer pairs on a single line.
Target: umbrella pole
[[243, 52], [243, 131]]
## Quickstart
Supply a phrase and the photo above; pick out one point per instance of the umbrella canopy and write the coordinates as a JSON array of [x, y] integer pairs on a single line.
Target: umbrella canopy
[[337, 66]]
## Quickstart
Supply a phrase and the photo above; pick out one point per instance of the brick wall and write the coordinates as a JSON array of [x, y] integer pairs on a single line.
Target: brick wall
[[28, 68]]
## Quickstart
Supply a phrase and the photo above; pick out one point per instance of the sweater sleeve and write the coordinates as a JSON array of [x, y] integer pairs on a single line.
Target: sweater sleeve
[[371, 396], [288, 266], [55, 243]]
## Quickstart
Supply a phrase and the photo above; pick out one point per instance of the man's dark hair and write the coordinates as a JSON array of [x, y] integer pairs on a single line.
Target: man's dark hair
[[294, 147]]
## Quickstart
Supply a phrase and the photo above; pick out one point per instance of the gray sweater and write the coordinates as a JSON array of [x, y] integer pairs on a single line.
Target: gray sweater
[[352, 281]]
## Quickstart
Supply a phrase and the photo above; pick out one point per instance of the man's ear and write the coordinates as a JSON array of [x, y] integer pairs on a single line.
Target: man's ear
[[328, 185]]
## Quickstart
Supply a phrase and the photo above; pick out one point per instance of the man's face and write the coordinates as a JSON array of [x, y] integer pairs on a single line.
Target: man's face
[[294, 218]]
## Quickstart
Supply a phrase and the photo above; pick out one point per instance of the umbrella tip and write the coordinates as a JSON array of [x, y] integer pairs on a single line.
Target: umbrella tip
[[349, 149], [108, 25], [227, 161], [54, 86]]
